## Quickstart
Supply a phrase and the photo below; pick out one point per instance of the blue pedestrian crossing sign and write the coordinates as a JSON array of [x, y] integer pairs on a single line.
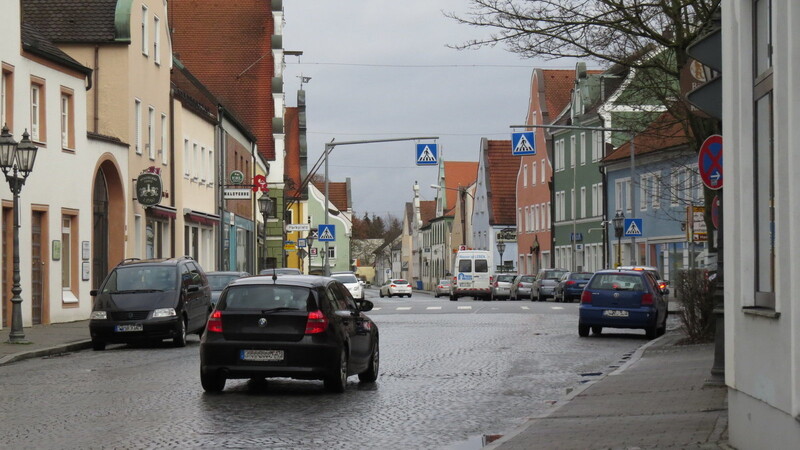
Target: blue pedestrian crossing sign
[[327, 233], [633, 227], [427, 154], [523, 144]]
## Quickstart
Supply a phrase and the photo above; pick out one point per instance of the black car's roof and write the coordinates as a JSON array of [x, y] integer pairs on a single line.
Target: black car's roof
[[153, 261], [283, 280], [228, 272]]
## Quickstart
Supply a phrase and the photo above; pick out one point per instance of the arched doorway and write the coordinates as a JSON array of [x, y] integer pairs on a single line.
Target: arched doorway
[[108, 221]]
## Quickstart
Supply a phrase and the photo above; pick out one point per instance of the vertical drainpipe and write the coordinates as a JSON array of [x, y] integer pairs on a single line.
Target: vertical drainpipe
[[220, 138], [172, 165], [254, 257]]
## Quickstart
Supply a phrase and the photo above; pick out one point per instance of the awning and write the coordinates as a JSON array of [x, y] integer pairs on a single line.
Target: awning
[[167, 212], [200, 217]]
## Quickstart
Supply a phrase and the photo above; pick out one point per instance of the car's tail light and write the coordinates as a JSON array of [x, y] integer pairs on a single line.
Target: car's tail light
[[491, 279], [647, 299], [317, 323], [570, 283], [586, 297], [214, 324], [519, 285], [495, 284], [663, 285], [392, 285]]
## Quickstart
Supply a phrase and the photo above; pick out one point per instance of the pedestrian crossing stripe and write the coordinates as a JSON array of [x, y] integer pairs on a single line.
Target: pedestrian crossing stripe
[[465, 307], [403, 308], [434, 307], [633, 230]]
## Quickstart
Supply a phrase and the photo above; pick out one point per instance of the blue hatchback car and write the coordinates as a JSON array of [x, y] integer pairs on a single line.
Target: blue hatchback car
[[623, 299]]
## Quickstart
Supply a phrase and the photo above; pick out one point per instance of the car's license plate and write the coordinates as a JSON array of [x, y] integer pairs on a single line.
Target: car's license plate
[[261, 355], [615, 313], [127, 328], [580, 285]]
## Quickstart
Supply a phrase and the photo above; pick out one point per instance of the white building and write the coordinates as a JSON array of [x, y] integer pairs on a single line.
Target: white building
[[761, 63]]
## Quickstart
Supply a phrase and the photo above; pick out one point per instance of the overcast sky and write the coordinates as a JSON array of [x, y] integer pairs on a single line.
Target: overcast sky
[[375, 68]]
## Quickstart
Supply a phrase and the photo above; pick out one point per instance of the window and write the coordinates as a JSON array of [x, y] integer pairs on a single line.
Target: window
[[536, 218], [644, 186], [38, 116], [675, 188], [572, 151], [559, 155], [186, 158], [597, 146], [533, 174], [525, 175], [69, 258], [164, 135], [156, 41], [583, 148], [572, 203], [623, 194], [600, 198], [527, 222], [594, 199], [543, 170], [655, 191], [583, 201], [210, 178], [67, 119], [194, 164], [331, 252], [547, 212], [763, 155], [151, 145], [137, 118], [145, 41], [7, 98], [203, 169], [560, 205]]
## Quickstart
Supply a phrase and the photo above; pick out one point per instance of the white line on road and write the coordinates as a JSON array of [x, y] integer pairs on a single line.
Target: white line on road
[[465, 307], [434, 307], [525, 307], [556, 307], [376, 309], [403, 308]]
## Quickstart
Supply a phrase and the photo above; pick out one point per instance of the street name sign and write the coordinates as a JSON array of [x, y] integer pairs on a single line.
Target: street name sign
[[237, 194], [522, 143], [298, 227]]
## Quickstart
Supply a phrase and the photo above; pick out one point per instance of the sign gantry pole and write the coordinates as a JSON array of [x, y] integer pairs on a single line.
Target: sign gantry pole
[[326, 270]]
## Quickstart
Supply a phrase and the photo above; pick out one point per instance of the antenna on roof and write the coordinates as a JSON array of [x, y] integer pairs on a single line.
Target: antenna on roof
[[274, 275]]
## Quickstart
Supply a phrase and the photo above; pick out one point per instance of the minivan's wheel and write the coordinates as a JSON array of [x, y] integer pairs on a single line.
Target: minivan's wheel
[[371, 374], [652, 331], [453, 298], [380, 293], [212, 381], [583, 330], [180, 334], [539, 297], [663, 328], [337, 380], [98, 345], [597, 330]]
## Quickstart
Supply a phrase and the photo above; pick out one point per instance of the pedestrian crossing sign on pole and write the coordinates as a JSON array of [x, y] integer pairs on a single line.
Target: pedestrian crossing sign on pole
[[633, 227], [327, 233], [427, 154], [523, 143]]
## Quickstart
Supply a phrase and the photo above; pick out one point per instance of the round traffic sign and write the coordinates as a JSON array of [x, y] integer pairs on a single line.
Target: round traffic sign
[[715, 212], [709, 162]]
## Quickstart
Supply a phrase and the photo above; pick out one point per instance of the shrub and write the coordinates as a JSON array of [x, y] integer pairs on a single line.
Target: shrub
[[696, 293]]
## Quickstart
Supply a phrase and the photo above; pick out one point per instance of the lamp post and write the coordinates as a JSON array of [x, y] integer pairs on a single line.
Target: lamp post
[[310, 242], [18, 159], [266, 206], [501, 248], [619, 224]]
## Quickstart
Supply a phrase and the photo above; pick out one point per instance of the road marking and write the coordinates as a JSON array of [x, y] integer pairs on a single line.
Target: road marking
[[376, 309], [556, 307], [465, 307], [403, 308], [525, 307], [434, 307]]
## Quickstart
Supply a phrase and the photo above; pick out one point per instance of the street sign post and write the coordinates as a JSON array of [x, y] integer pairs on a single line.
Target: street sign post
[[523, 143], [709, 161]]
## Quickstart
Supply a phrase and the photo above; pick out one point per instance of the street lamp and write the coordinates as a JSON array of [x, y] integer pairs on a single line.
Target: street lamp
[[16, 158], [266, 206], [310, 243], [619, 224], [501, 247]]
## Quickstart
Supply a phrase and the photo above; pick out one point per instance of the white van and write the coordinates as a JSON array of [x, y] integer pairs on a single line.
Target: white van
[[472, 276]]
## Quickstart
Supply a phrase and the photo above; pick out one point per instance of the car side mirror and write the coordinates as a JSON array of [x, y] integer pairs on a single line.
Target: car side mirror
[[93, 292], [364, 305], [193, 288]]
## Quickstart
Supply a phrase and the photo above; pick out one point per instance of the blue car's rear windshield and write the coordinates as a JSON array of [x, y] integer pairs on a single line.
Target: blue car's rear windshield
[[617, 281]]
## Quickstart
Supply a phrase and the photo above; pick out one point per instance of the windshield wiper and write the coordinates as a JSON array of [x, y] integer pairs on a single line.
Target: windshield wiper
[[280, 308], [133, 291]]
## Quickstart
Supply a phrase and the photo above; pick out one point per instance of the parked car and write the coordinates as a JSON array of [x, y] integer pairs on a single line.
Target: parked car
[[296, 326], [442, 288], [351, 282], [571, 285], [545, 283], [218, 281], [396, 286], [654, 271], [150, 299], [501, 288], [623, 299], [281, 271], [521, 288], [471, 276]]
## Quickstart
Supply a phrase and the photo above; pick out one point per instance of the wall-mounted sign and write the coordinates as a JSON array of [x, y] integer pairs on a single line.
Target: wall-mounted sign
[[237, 177], [507, 235], [148, 189], [237, 194], [298, 227]]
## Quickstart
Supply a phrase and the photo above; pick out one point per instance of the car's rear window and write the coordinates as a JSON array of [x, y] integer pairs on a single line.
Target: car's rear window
[[554, 274], [346, 278], [400, 282], [481, 265], [444, 281], [267, 297], [505, 278], [465, 265], [218, 282], [617, 281], [527, 279], [581, 276]]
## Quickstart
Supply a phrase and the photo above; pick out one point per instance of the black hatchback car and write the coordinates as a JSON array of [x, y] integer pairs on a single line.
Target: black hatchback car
[[294, 326], [149, 300]]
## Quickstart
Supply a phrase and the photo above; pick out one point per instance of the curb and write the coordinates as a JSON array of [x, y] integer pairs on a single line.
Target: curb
[[49, 351], [635, 357]]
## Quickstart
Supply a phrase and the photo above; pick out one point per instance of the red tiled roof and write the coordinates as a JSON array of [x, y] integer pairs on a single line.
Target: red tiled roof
[[427, 211], [557, 90], [64, 21], [663, 133], [501, 172], [337, 191], [227, 46], [457, 174]]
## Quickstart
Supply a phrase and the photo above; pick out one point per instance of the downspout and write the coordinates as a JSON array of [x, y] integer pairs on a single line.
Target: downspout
[[96, 105], [254, 257], [172, 164], [220, 188]]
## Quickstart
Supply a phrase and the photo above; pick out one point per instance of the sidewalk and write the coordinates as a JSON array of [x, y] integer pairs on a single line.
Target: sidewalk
[[45, 340], [660, 398]]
